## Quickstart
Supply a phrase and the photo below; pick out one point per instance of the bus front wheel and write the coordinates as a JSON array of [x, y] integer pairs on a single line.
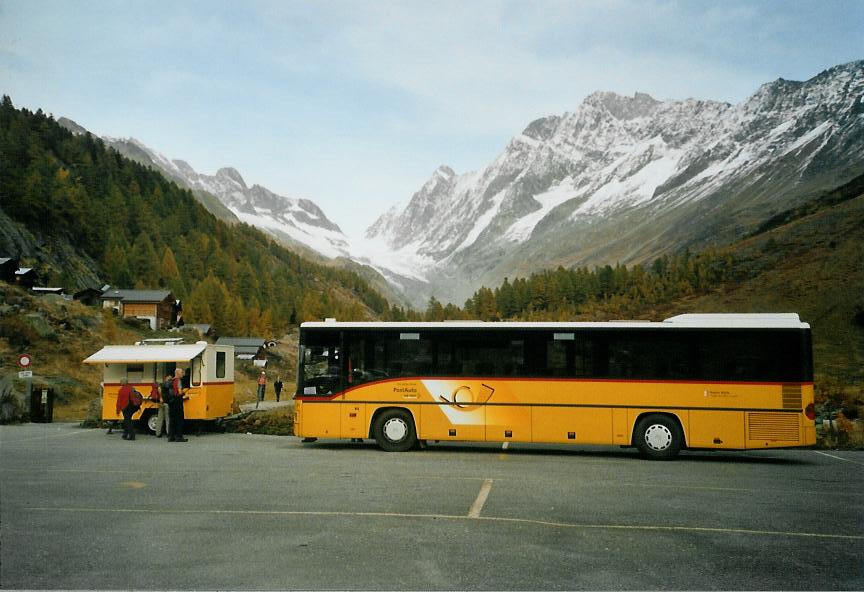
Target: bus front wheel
[[658, 437], [394, 431]]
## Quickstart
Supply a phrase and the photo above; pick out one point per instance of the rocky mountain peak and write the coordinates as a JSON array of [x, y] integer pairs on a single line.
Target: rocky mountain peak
[[620, 107], [440, 180], [185, 168], [445, 172], [70, 125], [542, 129], [231, 174], [854, 68]]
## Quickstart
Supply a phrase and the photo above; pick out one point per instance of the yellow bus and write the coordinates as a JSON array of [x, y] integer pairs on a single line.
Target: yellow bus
[[209, 376], [696, 381]]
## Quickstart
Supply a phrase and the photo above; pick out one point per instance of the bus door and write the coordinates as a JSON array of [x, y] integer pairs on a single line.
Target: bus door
[[321, 384], [352, 411]]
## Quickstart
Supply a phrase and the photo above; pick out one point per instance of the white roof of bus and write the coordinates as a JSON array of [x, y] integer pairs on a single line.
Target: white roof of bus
[[124, 354], [704, 321]]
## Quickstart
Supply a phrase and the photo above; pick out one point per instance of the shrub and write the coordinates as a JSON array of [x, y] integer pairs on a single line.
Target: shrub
[[276, 422], [20, 333]]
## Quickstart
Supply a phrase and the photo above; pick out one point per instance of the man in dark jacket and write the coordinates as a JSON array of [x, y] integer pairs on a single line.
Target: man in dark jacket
[[175, 408]]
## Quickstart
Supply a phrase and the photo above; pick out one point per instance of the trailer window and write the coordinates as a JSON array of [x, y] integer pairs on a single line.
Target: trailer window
[[196, 372], [220, 364], [135, 372]]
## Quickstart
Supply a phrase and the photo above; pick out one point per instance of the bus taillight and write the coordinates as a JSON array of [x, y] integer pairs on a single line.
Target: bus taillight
[[810, 411]]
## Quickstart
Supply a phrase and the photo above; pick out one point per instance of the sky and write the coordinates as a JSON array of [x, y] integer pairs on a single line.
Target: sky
[[354, 104]]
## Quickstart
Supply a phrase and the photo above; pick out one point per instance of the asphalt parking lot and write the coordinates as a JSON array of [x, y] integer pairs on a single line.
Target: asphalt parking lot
[[80, 509]]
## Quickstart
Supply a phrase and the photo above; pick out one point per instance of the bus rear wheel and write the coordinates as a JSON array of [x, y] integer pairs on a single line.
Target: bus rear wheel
[[658, 437], [394, 431]]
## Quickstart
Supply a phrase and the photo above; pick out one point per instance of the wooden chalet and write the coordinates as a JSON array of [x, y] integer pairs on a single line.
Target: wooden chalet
[[25, 277], [88, 296], [158, 307]]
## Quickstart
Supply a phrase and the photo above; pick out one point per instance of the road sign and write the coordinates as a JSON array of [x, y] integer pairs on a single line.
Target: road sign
[[25, 374], [25, 361]]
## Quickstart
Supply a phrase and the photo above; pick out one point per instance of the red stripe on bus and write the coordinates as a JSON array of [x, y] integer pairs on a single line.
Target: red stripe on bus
[[160, 384]]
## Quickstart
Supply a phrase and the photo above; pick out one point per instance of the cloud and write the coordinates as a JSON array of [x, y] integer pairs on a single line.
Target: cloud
[[489, 67]]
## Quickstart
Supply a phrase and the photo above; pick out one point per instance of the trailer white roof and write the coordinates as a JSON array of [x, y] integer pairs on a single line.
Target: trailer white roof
[[130, 354], [695, 321]]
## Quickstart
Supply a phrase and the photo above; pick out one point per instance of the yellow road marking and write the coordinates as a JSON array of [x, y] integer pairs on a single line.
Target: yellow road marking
[[133, 484], [477, 506], [637, 527]]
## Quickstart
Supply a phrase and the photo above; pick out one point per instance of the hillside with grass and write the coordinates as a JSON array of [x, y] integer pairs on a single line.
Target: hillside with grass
[[58, 334]]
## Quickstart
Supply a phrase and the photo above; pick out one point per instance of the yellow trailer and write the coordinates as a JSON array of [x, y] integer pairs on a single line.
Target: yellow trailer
[[209, 377]]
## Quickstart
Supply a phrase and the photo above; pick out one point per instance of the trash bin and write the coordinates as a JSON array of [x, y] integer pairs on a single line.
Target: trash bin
[[42, 405]]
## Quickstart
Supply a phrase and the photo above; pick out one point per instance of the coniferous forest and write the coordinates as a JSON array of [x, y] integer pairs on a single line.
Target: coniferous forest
[[143, 231]]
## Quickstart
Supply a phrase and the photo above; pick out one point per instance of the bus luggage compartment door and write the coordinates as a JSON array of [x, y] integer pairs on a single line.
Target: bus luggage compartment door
[[319, 419], [352, 420]]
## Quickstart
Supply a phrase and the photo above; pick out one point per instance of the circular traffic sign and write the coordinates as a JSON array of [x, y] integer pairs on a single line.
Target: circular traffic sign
[[24, 361]]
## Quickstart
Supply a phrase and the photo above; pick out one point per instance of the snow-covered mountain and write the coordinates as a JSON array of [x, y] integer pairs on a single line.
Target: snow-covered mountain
[[296, 221], [627, 179], [619, 179]]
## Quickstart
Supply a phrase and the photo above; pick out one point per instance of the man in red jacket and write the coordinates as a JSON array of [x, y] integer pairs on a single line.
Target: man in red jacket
[[124, 406]]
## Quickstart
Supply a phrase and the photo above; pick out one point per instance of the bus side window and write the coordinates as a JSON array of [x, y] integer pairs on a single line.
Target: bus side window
[[558, 354], [583, 359]]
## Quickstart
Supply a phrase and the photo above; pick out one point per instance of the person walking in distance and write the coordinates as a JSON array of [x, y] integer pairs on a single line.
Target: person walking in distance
[[262, 385], [277, 387], [125, 406], [175, 408]]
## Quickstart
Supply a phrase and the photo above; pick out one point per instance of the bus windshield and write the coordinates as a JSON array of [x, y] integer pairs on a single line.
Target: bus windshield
[[320, 366]]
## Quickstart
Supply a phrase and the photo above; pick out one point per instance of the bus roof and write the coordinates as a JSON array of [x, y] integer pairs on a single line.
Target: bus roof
[[128, 354], [689, 321]]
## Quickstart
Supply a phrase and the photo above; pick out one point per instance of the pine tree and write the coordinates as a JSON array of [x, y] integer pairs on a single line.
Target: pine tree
[[169, 274], [144, 262], [434, 310]]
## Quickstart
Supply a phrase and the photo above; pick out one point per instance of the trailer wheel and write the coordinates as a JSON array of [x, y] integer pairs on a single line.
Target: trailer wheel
[[148, 420]]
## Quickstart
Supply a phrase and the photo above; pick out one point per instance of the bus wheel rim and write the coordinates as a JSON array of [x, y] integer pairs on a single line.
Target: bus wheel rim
[[395, 429], [658, 437], [151, 423]]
